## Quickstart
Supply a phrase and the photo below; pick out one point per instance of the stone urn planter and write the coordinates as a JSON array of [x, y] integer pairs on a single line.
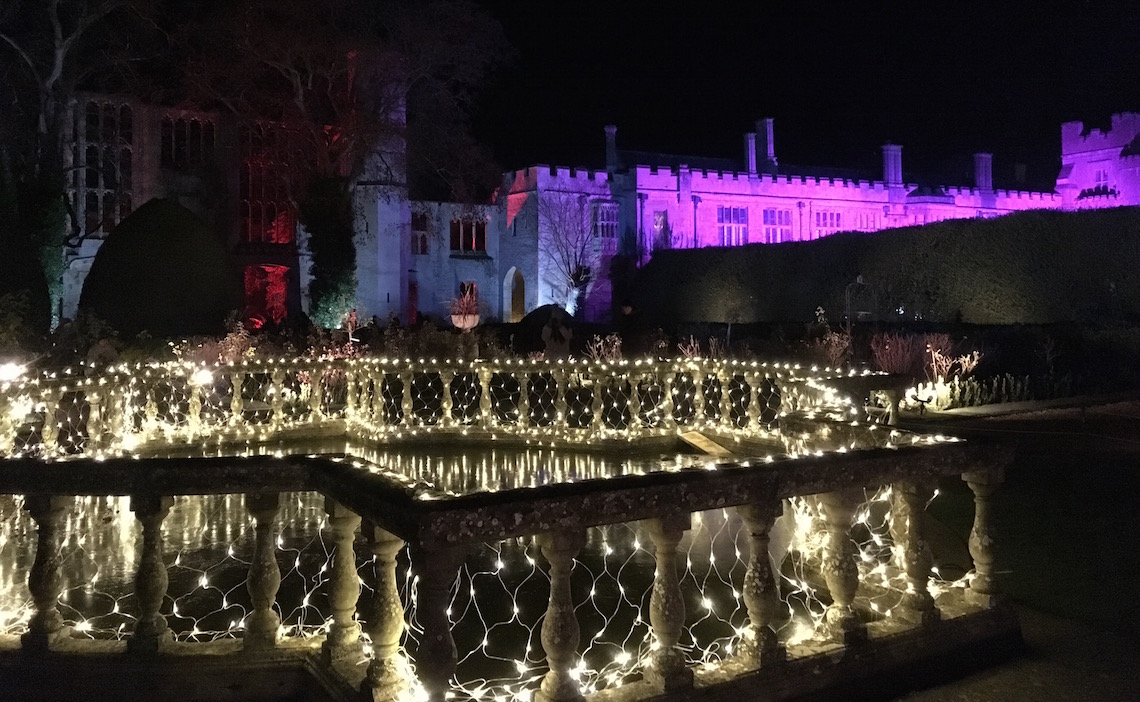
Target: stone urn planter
[[465, 322]]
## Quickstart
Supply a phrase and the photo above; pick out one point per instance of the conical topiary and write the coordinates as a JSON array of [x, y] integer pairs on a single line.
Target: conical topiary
[[164, 272]]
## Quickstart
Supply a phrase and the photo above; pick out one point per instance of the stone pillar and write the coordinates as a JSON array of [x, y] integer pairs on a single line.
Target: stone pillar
[[725, 378], [264, 574], [406, 399], [237, 404], [316, 394], [386, 621], [634, 401], [908, 504], [561, 388], [277, 404], [560, 632], [668, 670], [44, 578], [486, 408], [667, 404], [761, 593], [446, 378], [437, 657], [754, 381], [698, 397], [350, 398], [94, 420], [50, 432], [984, 588], [598, 399], [524, 399], [343, 640], [840, 566], [151, 632]]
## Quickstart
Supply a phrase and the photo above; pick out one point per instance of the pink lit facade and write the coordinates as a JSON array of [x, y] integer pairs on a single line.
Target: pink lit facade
[[665, 203], [1098, 168]]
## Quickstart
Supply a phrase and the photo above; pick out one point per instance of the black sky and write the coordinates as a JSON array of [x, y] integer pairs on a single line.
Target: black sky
[[840, 78]]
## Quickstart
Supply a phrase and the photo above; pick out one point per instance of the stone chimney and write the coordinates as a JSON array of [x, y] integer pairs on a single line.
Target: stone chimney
[[750, 152], [892, 165], [766, 132], [984, 171], [611, 148]]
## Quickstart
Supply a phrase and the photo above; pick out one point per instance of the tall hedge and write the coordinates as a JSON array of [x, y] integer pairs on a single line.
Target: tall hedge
[[1032, 267], [162, 271]]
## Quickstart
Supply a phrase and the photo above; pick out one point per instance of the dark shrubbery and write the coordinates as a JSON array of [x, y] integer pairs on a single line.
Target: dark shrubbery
[[1034, 267]]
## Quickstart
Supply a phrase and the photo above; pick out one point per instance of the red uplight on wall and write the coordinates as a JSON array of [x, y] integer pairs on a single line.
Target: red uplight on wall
[[266, 294]]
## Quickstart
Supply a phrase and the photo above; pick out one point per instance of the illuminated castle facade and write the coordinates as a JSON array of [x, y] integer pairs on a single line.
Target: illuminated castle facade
[[415, 256]]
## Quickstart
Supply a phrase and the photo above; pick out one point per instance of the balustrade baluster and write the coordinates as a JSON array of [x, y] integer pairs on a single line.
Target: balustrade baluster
[[343, 640], [94, 420], [386, 622], [261, 626], [524, 399], [761, 593], [44, 580], [560, 632], [350, 398], [237, 403], [316, 394], [984, 588], [486, 410], [597, 399], [446, 378], [50, 432], [151, 632], [754, 380], [561, 387], [668, 404], [437, 657], [115, 412], [377, 398], [725, 378], [840, 567], [634, 380], [277, 404], [406, 399], [908, 504], [666, 606], [698, 397], [194, 413]]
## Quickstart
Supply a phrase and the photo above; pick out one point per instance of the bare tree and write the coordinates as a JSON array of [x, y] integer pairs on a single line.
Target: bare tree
[[50, 48], [569, 254]]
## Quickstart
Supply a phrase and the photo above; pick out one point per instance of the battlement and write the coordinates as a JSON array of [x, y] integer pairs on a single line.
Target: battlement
[[1124, 128], [556, 177]]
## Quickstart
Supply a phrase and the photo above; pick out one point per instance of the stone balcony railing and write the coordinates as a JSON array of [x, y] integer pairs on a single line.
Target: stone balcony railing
[[658, 576]]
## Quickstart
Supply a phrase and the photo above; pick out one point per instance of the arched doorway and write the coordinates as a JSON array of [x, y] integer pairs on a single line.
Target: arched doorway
[[514, 296]]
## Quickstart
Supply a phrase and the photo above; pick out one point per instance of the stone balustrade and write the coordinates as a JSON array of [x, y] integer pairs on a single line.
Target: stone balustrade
[[153, 409], [372, 520]]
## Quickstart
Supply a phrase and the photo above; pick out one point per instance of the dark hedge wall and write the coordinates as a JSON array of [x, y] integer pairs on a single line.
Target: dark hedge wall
[[1034, 267]]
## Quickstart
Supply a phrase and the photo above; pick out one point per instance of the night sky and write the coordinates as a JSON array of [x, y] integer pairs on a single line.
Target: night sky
[[840, 78]]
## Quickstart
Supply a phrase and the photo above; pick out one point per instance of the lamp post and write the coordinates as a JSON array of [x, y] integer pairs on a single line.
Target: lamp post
[[847, 300]]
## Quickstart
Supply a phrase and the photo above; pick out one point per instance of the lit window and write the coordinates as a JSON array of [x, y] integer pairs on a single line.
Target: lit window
[[468, 236], [606, 220], [101, 161], [732, 225], [777, 225], [267, 214], [419, 234]]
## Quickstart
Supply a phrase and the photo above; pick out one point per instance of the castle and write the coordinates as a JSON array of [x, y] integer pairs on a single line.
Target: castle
[[551, 234]]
